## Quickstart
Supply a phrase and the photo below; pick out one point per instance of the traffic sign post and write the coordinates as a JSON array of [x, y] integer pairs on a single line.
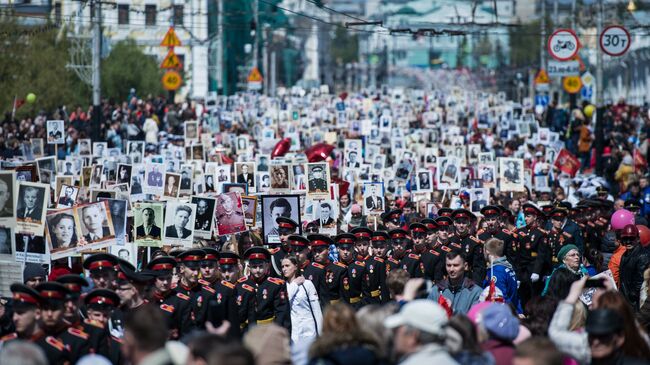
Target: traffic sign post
[[172, 80], [171, 61], [170, 39], [255, 79], [615, 40], [572, 84], [541, 80], [563, 44]]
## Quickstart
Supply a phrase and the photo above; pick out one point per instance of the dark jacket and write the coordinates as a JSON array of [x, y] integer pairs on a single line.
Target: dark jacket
[[358, 348], [633, 264], [503, 352]]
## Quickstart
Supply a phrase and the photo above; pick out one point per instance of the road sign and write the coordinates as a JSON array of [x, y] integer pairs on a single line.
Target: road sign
[[563, 44], [172, 80], [568, 68], [587, 92], [572, 84], [255, 79], [588, 79], [170, 39], [615, 40], [541, 77], [541, 99], [171, 60]]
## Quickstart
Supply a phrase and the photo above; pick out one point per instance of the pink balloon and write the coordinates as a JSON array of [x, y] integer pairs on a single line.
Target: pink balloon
[[621, 218]]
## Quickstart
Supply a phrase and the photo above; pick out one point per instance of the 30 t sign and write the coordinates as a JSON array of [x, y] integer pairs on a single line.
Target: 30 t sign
[[615, 40]]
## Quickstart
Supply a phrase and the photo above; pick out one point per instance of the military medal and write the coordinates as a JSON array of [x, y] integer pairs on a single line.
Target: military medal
[[264, 294], [372, 269], [219, 298]]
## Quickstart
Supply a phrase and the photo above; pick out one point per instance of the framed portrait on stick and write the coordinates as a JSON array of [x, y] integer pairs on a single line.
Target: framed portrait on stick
[[230, 214], [179, 223], [31, 205], [275, 206]]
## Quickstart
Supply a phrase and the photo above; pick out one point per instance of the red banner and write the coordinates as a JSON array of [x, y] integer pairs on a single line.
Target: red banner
[[640, 163], [567, 162]]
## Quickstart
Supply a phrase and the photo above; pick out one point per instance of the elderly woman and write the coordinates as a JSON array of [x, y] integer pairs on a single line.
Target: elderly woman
[[570, 257]]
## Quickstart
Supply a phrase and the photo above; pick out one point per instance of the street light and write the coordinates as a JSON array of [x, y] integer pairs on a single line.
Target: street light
[[631, 6]]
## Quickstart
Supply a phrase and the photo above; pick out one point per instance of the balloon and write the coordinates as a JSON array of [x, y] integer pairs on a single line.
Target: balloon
[[343, 95], [31, 98], [281, 148], [644, 235], [318, 152], [621, 218], [589, 110]]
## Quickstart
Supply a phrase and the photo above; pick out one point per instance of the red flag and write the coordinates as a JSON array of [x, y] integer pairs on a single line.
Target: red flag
[[567, 162], [640, 163], [18, 103], [445, 305]]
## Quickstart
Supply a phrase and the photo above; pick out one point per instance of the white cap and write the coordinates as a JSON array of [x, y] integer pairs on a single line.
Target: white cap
[[423, 314]]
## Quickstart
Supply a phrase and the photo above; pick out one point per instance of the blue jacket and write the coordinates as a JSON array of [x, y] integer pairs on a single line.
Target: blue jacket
[[462, 297], [506, 280]]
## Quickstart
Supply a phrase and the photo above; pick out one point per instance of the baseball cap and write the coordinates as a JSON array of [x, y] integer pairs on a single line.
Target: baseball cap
[[422, 314]]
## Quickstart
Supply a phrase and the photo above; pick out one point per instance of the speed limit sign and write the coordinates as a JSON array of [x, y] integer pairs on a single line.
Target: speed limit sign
[[615, 40]]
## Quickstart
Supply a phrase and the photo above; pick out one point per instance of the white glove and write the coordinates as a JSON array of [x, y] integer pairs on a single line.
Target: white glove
[[534, 277]]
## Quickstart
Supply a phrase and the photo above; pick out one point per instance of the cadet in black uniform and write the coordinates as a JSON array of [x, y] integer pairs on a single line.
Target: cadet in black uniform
[[362, 243], [472, 246], [532, 240], [102, 270], [392, 219], [176, 306], [229, 266], [353, 280], [216, 302], [26, 302], [401, 257], [100, 304], [432, 231], [491, 215], [557, 237], [270, 293], [375, 290], [76, 341], [335, 272], [315, 271], [431, 259], [444, 234], [286, 227]]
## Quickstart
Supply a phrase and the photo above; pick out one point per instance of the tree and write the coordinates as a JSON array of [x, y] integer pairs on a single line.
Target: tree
[[524, 45], [128, 67], [34, 60], [345, 46]]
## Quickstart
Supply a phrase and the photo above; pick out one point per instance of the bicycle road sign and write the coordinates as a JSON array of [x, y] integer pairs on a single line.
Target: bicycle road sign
[[563, 44]]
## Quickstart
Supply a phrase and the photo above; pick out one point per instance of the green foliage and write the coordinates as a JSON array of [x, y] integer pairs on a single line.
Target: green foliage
[[524, 45], [344, 47], [128, 67], [33, 61]]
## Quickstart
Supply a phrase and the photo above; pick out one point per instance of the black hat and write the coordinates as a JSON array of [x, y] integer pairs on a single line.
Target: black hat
[[257, 253], [317, 168], [443, 222], [490, 211], [161, 266], [319, 240], [547, 209], [445, 212], [462, 213], [228, 258], [345, 239], [398, 234], [417, 228], [430, 223], [361, 233], [602, 190], [392, 216], [128, 274], [603, 322], [632, 204], [53, 292], [380, 237], [529, 208], [25, 296], [296, 240], [73, 282], [287, 224], [191, 258], [100, 261], [559, 212], [566, 205], [210, 254], [102, 299]]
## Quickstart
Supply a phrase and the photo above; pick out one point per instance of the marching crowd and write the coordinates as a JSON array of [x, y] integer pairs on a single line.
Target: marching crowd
[[555, 274]]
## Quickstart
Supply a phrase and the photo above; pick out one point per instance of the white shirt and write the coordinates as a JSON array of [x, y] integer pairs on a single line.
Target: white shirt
[[302, 320]]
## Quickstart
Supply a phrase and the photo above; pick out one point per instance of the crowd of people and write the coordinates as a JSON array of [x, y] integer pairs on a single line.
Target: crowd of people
[[380, 227]]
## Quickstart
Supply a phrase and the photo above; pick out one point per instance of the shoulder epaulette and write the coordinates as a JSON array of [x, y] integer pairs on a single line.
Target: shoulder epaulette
[[542, 230], [480, 231], [340, 264], [591, 224], [204, 282], [167, 308], [522, 233], [94, 323], [8, 337], [228, 284], [78, 333], [414, 256], [507, 231], [379, 259], [209, 289], [317, 265], [55, 343], [276, 281], [567, 234], [273, 251], [435, 252], [360, 263], [393, 260], [242, 279], [445, 248], [248, 287], [475, 239], [182, 296]]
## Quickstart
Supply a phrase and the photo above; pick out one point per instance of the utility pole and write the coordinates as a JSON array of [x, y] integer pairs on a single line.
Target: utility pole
[[265, 58], [257, 28], [542, 47], [600, 107], [96, 8], [219, 77], [273, 74]]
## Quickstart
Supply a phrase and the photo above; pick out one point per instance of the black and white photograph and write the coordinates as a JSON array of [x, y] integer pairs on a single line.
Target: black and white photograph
[[249, 207], [137, 180], [96, 176], [318, 180], [55, 132], [262, 163], [263, 182], [118, 208], [191, 132], [31, 248], [148, 221], [46, 163], [279, 178], [479, 198], [154, 179], [61, 231], [204, 216], [485, 157], [487, 174], [100, 149], [275, 206], [242, 144], [542, 183], [179, 223], [67, 196], [448, 173], [31, 204], [136, 151], [230, 214], [127, 252], [298, 177], [245, 174], [242, 189], [85, 147], [373, 198], [27, 173], [124, 174], [7, 213], [511, 174], [352, 153], [96, 225], [326, 214], [171, 188], [7, 244], [38, 146], [424, 181]]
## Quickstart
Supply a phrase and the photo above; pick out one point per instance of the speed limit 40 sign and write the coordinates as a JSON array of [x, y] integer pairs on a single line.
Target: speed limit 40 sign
[[615, 40]]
